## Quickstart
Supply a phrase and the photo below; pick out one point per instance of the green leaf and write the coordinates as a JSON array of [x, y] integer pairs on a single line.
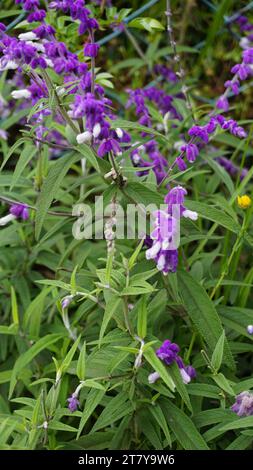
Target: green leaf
[[58, 426], [14, 307], [147, 424], [135, 255], [142, 194], [203, 314], [221, 173], [239, 423], [149, 24], [118, 407], [142, 317], [26, 155], [158, 366], [215, 215], [11, 151], [217, 355], [110, 309], [93, 384], [182, 426], [87, 153], [67, 360], [28, 356], [92, 401], [180, 386], [50, 187], [156, 411], [223, 383], [73, 280], [80, 368]]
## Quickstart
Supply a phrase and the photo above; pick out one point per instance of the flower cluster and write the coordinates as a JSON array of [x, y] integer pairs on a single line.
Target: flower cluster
[[243, 405], [163, 239], [17, 211], [163, 102], [39, 50], [168, 353]]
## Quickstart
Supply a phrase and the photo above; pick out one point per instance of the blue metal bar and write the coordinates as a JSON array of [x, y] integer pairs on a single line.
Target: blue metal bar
[[16, 21]]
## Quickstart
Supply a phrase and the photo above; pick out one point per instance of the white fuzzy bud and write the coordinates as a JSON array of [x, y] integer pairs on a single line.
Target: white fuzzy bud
[[96, 130], [84, 138], [5, 220], [18, 94], [29, 36], [119, 132], [190, 215]]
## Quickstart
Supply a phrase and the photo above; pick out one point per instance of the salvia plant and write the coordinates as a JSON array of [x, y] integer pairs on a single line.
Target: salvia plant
[[126, 236]]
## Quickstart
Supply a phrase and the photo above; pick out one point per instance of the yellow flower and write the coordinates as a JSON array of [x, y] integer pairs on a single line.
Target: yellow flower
[[244, 201]]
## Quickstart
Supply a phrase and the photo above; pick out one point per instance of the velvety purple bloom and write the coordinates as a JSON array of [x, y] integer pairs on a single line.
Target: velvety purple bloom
[[242, 70], [243, 405], [44, 30], [73, 403], [222, 103], [191, 371], [191, 151], [181, 164], [108, 145], [37, 15], [2, 27], [200, 132], [233, 85], [175, 197], [20, 211], [91, 50], [248, 56], [165, 72], [168, 352]]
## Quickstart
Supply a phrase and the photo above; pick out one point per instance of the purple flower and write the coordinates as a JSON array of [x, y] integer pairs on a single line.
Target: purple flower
[[233, 85], [248, 56], [20, 211], [73, 403], [91, 50], [222, 103], [181, 164], [175, 197], [37, 15], [191, 151], [168, 352], [108, 145], [200, 132], [243, 405], [242, 70]]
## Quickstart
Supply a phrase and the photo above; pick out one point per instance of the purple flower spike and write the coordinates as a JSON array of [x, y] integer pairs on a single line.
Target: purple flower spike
[[168, 352], [91, 50], [191, 151], [243, 405], [73, 403], [108, 145], [200, 132], [222, 103], [20, 211]]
